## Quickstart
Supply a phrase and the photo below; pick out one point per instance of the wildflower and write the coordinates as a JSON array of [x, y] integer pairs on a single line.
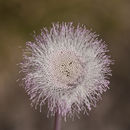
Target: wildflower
[[67, 68]]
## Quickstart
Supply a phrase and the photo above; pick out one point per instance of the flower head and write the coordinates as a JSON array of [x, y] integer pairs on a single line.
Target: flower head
[[67, 68]]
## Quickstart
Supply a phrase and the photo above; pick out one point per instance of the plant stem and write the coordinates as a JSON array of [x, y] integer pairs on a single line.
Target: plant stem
[[57, 123]]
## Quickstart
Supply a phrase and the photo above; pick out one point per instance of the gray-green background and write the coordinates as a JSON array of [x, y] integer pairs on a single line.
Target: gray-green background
[[109, 18]]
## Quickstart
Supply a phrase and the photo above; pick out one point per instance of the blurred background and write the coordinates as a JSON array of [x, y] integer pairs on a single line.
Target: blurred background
[[18, 20]]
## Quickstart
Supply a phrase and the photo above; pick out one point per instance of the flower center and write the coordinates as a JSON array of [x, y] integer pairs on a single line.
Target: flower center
[[67, 68]]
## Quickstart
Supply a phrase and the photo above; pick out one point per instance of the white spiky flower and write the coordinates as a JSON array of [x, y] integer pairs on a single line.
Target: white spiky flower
[[67, 68]]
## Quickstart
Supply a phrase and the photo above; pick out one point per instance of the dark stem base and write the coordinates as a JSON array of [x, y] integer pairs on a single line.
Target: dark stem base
[[57, 123]]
